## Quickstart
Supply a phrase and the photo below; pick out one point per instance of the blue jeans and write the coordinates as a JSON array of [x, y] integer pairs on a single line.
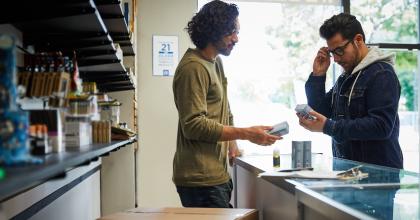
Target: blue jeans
[[207, 196]]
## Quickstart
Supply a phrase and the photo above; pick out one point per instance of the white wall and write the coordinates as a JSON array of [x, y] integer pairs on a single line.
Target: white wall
[[117, 172], [158, 117]]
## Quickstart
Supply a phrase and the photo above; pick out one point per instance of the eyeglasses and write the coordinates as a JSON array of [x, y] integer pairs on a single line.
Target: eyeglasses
[[339, 51]]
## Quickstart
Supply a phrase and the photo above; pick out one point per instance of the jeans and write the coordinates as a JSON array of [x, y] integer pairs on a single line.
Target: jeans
[[207, 196]]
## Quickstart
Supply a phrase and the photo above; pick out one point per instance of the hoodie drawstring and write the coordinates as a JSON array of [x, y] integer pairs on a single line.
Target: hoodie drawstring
[[352, 87]]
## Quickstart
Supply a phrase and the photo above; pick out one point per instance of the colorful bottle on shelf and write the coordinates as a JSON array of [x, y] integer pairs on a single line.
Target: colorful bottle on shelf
[[14, 122]]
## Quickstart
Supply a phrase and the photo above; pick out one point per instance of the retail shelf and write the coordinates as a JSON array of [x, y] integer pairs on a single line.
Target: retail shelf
[[106, 79], [98, 55], [115, 84], [84, 18], [78, 27], [112, 14], [43, 10], [128, 50], [109, 7], [121, 38], [97, 48], [85, 26], [110, 80], [33, 103], [21, 178], [102, 74], [69, 42], [116, 25], [85, 63], [117, 89], [117, 66], [60, 37]]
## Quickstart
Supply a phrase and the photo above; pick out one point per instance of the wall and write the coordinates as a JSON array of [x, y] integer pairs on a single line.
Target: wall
[[158, 116], [117, 172]]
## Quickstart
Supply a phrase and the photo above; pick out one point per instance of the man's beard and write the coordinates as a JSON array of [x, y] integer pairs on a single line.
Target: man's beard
[[224, 49]]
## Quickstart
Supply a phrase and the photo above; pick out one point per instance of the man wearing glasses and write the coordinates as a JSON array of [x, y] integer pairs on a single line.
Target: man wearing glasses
[[360, 112]]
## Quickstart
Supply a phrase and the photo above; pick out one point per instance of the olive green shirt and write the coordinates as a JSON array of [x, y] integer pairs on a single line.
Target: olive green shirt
[[200, 93]]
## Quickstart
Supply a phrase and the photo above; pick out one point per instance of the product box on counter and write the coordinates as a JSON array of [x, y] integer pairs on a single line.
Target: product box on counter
[[184, 214], [53, 118], [78, 133], [301, 154]]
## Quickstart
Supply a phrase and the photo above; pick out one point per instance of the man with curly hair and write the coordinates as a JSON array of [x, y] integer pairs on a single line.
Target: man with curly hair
[[205, 130]]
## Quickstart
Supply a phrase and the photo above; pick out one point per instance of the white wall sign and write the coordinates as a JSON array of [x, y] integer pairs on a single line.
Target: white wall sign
[[165, 55]]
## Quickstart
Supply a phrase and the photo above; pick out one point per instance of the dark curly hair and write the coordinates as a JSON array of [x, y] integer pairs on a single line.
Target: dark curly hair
[[215, 20], [345, 24]]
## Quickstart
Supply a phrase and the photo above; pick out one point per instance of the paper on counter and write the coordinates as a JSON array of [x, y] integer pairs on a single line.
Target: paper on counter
[[304, 174]]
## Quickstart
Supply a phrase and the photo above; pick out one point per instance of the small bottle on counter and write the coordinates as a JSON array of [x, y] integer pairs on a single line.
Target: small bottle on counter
[[276, 157]]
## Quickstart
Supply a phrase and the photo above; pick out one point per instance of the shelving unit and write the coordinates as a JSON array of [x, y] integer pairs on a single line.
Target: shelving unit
[[113, 17], [91, 28], [86, 26]]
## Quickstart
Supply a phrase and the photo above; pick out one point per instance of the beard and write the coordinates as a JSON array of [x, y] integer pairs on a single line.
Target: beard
[[223, 48], [224, 51], [349, 66]]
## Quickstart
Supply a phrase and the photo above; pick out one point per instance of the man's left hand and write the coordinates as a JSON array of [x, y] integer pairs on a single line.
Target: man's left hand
[[314, 125], [233, 152]]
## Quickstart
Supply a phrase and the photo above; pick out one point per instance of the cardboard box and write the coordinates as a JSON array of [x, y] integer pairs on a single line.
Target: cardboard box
[[78, 134], [53, 118], [184, 214]]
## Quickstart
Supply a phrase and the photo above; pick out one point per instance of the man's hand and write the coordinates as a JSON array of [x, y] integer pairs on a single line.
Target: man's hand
[[258, 135], [315, 125], [233, 152], [321, 62]]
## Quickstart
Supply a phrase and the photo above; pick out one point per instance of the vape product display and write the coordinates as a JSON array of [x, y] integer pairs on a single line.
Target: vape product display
[[14, 148], [301, 154], [101, 132], [297, 154], [110, 111], [304, 109], [78, 132], [280, 129], [40, 142], [46, 75], [8, 93]]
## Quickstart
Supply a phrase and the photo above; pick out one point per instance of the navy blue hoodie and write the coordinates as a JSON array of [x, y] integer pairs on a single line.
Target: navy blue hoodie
[[362, 111]]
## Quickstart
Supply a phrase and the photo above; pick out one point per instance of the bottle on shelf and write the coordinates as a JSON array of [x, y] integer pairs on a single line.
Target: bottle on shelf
[[276, 157], [75, 81]]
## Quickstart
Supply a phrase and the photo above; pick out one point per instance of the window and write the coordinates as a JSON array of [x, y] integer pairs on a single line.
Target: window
[[391, 21]]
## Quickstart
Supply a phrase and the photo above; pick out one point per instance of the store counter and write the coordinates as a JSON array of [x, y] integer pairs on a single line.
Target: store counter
[[26, 190], [386, 193]]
